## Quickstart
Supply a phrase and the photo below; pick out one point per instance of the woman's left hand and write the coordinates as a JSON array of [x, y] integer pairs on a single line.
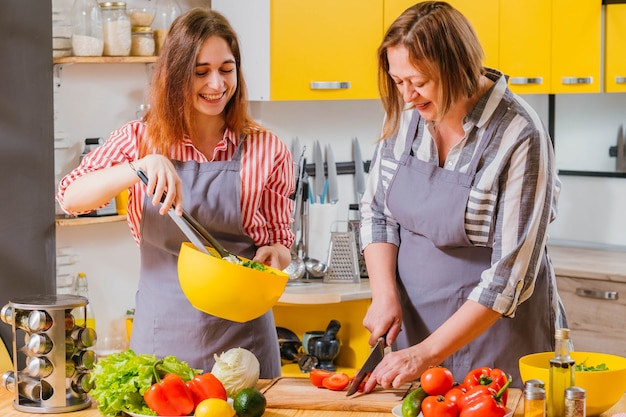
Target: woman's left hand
[[277, 256], [398, 367]]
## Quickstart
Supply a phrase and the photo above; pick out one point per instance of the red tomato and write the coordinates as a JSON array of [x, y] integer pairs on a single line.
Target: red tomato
[[317, 376], [337, 381], [455, 394], [437, 380], [438, 406]]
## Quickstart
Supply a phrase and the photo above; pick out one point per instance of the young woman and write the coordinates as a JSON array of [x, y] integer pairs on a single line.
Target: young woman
[[461, 192], [198, 144]]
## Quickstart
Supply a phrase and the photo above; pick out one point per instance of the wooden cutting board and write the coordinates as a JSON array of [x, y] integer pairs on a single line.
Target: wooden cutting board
[[299, 393]]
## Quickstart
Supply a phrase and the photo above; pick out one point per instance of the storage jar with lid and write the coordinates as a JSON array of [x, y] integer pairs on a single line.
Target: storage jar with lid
[[166, 12], [86, 23], [115, 28], [142, 41]]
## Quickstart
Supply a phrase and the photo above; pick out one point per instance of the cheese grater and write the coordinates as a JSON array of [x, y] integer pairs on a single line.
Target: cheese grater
[[343, 261]]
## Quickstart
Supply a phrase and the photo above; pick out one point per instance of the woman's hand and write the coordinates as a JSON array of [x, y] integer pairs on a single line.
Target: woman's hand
[[162, 178], [383, 316], [398, 367], [277, 256]]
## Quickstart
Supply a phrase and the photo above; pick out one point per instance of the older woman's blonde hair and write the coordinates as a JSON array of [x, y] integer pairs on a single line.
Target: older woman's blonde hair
[[171, 92], [443, 44]]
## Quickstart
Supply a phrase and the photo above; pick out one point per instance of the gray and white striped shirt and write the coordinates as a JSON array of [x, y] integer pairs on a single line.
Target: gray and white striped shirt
[[512, 201]]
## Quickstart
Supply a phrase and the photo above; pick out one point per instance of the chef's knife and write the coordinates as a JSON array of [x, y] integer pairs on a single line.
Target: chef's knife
[[377, 354], [359, 170], [320, 178], [333, 186]]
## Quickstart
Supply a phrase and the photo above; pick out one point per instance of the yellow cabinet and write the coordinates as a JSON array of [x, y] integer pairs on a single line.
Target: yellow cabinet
[[483, 15], [576, 46], [525, 45], [615, 48], [307, 50]]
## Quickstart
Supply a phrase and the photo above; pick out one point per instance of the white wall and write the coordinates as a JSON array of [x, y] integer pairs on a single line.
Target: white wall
[[92, 100]]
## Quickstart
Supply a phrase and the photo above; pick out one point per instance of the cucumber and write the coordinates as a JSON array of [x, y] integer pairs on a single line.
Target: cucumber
[[412, 403]]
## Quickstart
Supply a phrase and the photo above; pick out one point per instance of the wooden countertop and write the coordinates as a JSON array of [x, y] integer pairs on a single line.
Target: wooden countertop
[[568, 261], [7, 409], [609, 265], [325, 293]]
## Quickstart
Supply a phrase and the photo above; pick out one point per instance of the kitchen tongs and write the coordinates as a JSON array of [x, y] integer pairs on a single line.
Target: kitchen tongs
[[192, 229]]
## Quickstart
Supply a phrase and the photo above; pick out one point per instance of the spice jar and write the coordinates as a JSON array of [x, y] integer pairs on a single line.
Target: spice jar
[[115, 29], [142, 43], [534, 402], [575, 402]]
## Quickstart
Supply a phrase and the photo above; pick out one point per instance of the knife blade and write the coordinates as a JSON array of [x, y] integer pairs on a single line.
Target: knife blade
[[333, 186], [359, 170], [377, 354], [320, 179]]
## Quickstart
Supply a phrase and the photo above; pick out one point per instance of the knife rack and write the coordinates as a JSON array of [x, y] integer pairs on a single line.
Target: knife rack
[[343, 168]]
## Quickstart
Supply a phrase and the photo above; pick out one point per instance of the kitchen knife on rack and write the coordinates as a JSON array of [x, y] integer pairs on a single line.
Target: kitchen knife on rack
[[320, 178], [333, 186], [377, 354], [359, 169]]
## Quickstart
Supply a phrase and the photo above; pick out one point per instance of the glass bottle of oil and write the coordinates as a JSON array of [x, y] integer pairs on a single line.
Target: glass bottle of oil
[[562, 372], [84, 313]]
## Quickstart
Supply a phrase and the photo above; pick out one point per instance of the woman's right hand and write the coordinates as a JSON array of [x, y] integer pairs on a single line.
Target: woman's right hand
[[162, 178]]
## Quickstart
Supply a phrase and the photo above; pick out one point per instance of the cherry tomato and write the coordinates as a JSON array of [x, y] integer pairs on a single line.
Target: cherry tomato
[[438, 406], [437, 380], [317, 376], [337, 381]]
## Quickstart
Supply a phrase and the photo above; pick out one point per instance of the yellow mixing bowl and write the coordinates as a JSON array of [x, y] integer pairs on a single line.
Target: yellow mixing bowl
[[604, 388], [227, 290]]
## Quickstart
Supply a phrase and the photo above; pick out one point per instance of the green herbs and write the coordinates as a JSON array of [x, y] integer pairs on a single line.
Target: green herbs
[[582, 367], [122, 378], [256, 266]]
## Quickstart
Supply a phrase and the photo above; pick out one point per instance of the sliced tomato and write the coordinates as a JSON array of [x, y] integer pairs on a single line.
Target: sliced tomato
[[337, 381], [317, 376]]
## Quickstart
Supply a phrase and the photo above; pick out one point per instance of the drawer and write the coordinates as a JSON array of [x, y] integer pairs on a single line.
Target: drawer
[[595, 311]]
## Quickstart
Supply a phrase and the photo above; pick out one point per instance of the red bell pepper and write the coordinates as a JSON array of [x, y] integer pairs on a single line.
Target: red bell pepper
[[169, 396], [486, 376], [484, 401], [206, 386]]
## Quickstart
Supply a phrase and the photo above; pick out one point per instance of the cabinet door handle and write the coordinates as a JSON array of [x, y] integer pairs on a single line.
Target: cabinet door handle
[[602, 295], [525, 80], [620, 80], [330, 85], [577, 80]]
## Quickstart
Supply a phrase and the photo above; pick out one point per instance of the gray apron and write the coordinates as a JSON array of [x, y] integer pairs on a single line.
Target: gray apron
[[438, 266], [165, 323]]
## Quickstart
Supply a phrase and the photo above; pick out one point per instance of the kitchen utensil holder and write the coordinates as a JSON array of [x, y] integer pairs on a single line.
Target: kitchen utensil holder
[[56, 378], [343, 261]]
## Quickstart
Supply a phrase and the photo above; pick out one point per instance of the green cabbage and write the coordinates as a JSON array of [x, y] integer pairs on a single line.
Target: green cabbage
[[237, 369]]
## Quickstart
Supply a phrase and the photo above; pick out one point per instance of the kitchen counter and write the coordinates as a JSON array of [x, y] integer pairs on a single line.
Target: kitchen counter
[[7, 409], [568, 261], [598, 264], [325, 293]]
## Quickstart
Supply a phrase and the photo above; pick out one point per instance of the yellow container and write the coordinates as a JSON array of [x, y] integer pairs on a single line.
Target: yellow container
[[604, 388], [121, 203], [227, 290]]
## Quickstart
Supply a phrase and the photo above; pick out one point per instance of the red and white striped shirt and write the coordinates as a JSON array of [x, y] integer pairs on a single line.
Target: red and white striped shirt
[[267, 178]]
